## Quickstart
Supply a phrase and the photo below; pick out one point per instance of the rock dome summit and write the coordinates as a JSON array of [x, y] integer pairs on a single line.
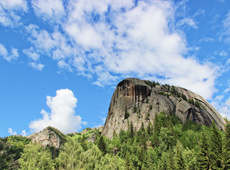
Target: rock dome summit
[[139, 100]]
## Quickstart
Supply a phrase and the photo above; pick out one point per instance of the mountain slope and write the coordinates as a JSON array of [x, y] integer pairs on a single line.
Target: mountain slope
[[139, 100]]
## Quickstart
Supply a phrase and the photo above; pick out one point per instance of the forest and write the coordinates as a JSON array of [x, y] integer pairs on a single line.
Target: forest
[[165, 144]]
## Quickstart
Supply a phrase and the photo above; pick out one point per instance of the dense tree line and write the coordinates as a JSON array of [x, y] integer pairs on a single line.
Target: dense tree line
[[165, 143]]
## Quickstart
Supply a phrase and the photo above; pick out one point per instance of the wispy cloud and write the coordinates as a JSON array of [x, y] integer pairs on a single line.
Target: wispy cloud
[[62, 115], [8, 57], [9, 11], [226, 26], [37, 66], [11, 132], [222, 105]]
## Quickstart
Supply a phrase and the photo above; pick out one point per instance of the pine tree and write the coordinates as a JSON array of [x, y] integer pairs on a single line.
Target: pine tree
[[126, 113], [163, 163], [171, 165], [179, 159], [203, 158], [226, 148], [216, 148], [102, 145], [84, 142], [149, 128], [131, 130], [142, 126]]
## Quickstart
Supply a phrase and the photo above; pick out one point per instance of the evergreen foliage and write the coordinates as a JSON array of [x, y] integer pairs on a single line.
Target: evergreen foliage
[[226, 148], [165, 143], [216, 148], [203, 158], [102, 145]]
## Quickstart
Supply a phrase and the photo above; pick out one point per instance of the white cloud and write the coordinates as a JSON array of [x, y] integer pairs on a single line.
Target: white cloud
[[49, 9], [103, 119], [222, 106], [37, 66], [226, 25], [23, 133], [14, 4], [108, 40], [188, 21], [3, 51], [206, 39], [223, 53], [227, 90], [228, 61], [31, 54], [9, 11], [11, 132], [8, 57], [62, 113]]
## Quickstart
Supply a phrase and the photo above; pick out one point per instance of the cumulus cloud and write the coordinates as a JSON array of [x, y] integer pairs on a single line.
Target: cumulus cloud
[[8, 57], [109, 40], [62, 113]]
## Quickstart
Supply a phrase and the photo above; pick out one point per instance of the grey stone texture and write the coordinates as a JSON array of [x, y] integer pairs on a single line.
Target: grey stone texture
[[141, 102]]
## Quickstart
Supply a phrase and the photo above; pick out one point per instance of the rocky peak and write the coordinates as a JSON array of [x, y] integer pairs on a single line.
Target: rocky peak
[[49, 136], [138, 101]]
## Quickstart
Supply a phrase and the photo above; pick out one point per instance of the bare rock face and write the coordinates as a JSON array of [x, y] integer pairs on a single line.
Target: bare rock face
[[48, 137], [138, 101]]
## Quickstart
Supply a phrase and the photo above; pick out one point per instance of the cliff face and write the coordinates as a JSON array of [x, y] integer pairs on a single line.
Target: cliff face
[[138, 101], [48, 137]]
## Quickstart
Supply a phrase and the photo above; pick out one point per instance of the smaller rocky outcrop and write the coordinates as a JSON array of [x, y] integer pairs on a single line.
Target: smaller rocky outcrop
[[49, 136], [91, 133]]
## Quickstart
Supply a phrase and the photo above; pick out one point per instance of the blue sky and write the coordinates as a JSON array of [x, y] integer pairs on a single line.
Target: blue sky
[[60, 61]]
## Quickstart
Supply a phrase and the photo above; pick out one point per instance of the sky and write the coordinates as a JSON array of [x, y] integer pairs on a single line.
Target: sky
[[60, 61]]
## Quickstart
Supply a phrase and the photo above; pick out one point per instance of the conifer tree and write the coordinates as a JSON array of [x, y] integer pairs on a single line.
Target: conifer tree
[[126, 113], [171, 165], [114, 134], [216, 148], [84, 142], [179, 159], [102, 145], [226, 148], [128, 160], [163, 163], [142, 126], [131, 130], [203, 159], [149, 128]]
